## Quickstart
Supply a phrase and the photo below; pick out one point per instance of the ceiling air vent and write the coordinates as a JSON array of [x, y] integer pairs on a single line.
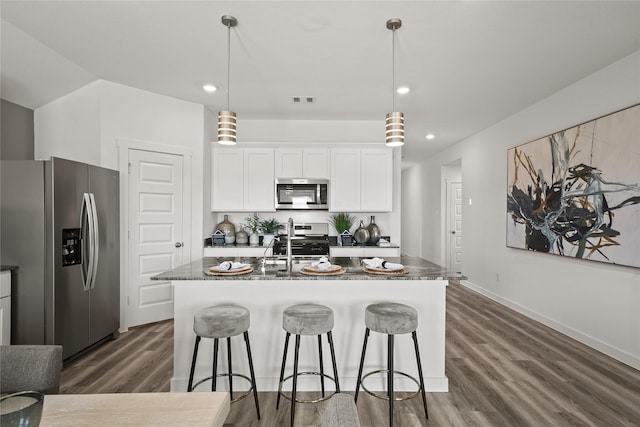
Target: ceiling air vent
[[303, 99]]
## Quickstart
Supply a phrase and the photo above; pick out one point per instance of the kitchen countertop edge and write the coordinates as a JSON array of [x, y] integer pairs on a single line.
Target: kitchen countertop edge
[[418, 269]]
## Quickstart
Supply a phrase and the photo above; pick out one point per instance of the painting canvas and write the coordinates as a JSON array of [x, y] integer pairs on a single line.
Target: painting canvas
[[576, 193]]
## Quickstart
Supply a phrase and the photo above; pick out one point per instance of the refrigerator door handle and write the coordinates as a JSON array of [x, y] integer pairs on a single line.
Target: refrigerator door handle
[[96, 242], [86, 225]]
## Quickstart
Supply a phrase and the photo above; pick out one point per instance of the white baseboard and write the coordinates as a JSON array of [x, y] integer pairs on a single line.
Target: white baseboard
[[594, 343]]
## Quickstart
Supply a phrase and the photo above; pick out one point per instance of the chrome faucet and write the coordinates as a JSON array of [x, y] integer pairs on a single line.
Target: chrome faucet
[[289, 237]]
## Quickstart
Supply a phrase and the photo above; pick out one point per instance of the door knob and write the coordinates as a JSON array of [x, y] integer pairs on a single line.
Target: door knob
[[179, 244], [453, 232]]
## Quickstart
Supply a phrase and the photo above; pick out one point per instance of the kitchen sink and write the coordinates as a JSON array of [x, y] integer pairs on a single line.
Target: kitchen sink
[[283, 260]]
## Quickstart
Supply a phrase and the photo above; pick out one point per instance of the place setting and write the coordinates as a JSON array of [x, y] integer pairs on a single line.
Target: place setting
[[322, 267], [229, 268], [378, 266]]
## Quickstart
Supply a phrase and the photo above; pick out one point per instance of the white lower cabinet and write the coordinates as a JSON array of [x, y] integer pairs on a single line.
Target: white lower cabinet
[[237, 251], [363, 252], [5, 307]]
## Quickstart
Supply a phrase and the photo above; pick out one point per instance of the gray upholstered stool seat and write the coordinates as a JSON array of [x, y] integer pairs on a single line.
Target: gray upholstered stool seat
[[223, 321], [391, 318], [307, 319]]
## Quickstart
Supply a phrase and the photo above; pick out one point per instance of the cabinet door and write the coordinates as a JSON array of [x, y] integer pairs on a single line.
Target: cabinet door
[[228, 179], [376, 188], [288, 163], [315, 163], [345, 180], [259, 181]]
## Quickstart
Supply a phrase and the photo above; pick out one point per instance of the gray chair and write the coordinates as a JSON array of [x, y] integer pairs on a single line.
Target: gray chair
[[223, 321], [306, 319], [30, 367], [391, 319], [340, 411]]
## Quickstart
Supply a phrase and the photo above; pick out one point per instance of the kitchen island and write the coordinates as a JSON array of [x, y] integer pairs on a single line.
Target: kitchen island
[[269, 289]]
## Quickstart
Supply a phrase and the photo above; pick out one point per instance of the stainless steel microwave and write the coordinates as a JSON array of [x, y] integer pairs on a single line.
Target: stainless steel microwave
[[302, 193]]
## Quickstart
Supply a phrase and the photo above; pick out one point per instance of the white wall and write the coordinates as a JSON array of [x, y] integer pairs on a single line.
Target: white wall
[[69, 127], [596, 303]]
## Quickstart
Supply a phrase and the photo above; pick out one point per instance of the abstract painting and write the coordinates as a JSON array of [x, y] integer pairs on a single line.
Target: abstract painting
[[576, 193]]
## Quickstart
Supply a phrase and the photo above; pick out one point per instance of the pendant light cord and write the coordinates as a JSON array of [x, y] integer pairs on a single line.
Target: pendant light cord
[[228, 61], [393, 71]]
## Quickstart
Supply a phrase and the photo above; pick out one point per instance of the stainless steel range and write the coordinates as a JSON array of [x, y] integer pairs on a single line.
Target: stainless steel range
[[309, 239]]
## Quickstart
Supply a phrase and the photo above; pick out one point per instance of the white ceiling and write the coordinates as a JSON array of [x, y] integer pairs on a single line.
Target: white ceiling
[[469, 63]]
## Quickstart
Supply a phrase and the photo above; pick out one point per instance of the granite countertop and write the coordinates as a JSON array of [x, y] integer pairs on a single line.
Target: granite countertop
[[418, 269], [333, 245]]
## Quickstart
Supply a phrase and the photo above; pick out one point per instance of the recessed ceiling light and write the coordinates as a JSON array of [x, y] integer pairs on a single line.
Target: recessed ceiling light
[[430, 136], [209, 88], [403, 90]]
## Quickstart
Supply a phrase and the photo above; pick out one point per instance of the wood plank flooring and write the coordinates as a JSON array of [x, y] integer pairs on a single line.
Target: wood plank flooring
[[504, 369]]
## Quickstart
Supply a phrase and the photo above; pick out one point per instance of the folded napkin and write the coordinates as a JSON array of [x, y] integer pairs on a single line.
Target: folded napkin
[[384, 243], [228, 265], [381, 263], [322, 264]]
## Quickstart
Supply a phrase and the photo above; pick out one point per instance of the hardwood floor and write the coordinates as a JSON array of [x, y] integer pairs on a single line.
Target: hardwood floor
[[504, 369]]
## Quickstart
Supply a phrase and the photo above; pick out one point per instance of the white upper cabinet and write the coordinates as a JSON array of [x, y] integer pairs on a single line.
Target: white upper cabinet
[[315, 163], [361, 180], [288, 162], [376, 180], [243, 179], [302, 163], [344, 187], [227, 170]]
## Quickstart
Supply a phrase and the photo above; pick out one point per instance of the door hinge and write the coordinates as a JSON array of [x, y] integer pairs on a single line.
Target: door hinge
[[129, 168], [127, 300]]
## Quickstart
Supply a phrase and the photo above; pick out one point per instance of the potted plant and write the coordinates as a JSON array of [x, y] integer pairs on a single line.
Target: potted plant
[[269, 228], [253, 225], [343, 222]]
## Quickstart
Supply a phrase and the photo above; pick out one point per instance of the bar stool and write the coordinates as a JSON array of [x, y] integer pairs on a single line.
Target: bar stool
[[223, 321], [306, 319], [391, 319]]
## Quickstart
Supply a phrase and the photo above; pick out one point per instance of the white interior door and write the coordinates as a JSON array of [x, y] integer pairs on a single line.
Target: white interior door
[[454, 226], [155, 232]]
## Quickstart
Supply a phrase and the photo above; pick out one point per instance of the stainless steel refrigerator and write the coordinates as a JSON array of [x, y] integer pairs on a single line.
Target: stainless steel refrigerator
[[60, 226]]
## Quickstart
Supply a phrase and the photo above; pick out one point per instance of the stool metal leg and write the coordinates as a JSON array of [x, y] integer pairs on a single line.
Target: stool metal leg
[[214, 374], [193, 362], [253, 376], [333, 361], [424, 398], [321, 364], [390, 377], [284, 361], [229, 365], [364, 350], [295, 379]]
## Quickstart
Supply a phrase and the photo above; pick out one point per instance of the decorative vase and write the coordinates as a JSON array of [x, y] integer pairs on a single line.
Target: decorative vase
[[374, 231], [254, 239], [227, 227], [267, 239], [242, 238], [361, 235]]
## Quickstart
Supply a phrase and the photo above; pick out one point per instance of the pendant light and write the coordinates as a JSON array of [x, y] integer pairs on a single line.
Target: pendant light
[[394, 123], [227, 118]]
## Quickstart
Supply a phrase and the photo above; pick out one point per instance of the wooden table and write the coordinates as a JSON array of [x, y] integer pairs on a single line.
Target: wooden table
[[136, 409]]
